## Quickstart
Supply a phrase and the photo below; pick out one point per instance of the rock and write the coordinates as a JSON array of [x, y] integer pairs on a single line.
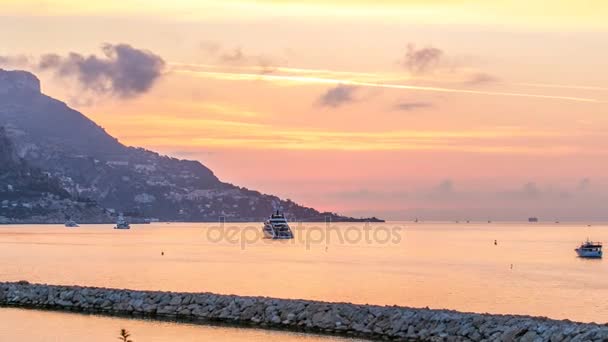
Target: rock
[[175, 301], [530, 336], [513, 333]]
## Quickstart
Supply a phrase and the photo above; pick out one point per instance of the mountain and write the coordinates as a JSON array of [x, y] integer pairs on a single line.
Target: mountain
[[89, 163]]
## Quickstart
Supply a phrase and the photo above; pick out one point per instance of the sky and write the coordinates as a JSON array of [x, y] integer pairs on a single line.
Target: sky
[[437, 109]]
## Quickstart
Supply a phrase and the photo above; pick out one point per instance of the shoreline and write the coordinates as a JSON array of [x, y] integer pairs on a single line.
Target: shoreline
[[147, 221], [337, 319]]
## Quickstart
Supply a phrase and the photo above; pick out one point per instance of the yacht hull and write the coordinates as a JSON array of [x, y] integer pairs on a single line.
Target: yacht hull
[[277, 228], [270, 233], [589, 254]]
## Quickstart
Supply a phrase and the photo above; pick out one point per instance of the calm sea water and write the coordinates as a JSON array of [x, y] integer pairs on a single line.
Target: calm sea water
[[46, 326], [533, 269]]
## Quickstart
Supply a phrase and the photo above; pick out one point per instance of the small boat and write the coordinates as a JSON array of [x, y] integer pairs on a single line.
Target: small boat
[[277, 228], [589, 249], [71, 224], [121, 223], [533, 219]]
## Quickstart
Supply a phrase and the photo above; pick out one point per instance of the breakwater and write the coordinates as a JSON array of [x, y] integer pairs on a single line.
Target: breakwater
[[370, 321]]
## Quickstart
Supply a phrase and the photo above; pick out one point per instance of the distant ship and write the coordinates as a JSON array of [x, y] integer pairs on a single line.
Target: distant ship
[[121, 223], [276, 227], [589, 249], [533, 219], [71, 224]]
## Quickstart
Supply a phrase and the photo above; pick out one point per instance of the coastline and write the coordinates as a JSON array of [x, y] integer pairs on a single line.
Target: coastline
[[14, 221], [343, 319]]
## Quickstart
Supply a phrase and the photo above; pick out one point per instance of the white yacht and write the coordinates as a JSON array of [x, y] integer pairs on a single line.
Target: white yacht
[[276, 227], [71, 224], [121, 223], [589, 249]]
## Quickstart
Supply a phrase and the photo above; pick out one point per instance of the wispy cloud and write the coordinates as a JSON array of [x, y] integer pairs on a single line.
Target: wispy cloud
[[469, 77], [194, 132], [410, 106], [338, 96], [423, 60], [480, 78], [238, 57]]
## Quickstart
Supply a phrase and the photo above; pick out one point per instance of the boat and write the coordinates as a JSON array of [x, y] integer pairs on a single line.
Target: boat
[[71, 224], [277, 228], [589, 249], [121, 223], [533, 219]]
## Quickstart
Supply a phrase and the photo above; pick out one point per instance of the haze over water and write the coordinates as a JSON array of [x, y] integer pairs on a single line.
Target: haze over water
[[439, 265]]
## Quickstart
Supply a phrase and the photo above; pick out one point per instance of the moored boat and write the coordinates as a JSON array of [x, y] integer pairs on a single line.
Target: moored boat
[[277, 228], [121, 223], [589, 249], [71, 224]]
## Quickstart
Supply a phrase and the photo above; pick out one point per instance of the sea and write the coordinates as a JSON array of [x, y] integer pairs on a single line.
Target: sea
[[493, 267]]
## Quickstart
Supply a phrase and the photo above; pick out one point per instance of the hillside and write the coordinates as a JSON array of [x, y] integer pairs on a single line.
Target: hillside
[[29, 195]]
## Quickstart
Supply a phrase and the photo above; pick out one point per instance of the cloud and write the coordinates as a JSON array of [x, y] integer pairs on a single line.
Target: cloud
[[583, 184], [123, 71], [531, 190], [420, 61], [14, 61], [528, 191], [445, 187], [237, 56], [233, 56], [431, 59], [338, 96], [210, 47], [481, 78], [410, 106], [366, 195]]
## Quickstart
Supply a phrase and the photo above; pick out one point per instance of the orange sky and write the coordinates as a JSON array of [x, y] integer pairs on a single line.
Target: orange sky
[[508, 120]]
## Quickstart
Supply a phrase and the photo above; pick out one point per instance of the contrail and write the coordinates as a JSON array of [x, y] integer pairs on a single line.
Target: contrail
[[561, 86], [333, 81], [260, 70]]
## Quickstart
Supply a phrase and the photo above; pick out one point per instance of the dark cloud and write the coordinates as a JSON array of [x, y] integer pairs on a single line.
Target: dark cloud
[[338, 96], [123, 71], [420, 61], [410, 106], [481, 78]]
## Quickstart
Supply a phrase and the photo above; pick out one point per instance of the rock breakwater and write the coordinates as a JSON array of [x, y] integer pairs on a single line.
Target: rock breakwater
[[369, 321]]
